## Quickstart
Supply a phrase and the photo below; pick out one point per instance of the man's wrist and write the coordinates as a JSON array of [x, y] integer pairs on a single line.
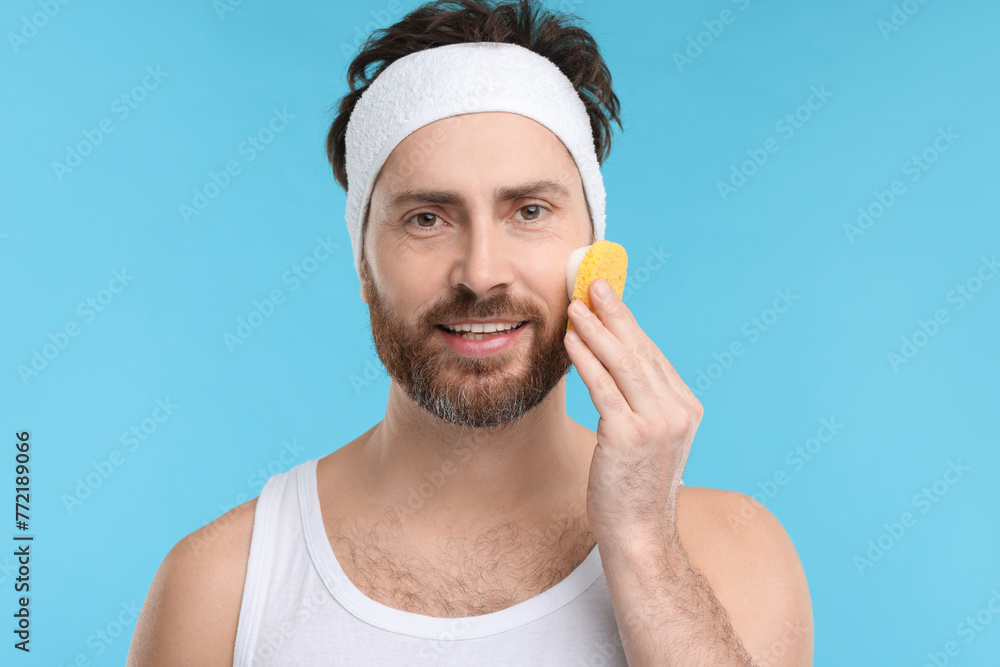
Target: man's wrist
[[642, 545]]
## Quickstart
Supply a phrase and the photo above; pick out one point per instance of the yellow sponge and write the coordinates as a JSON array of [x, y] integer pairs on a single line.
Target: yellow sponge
[[604, 259]]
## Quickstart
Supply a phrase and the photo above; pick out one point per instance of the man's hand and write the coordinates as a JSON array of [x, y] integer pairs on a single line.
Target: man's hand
[[648, 421], [666, 611]]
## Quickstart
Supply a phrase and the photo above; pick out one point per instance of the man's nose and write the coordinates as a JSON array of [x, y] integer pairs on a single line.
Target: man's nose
[[485, 258]]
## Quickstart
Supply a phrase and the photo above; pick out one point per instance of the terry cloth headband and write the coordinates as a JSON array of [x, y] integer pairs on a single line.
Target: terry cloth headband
[[455, 79]]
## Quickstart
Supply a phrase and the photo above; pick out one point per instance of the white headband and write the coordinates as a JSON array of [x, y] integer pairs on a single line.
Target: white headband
[[455, 79]]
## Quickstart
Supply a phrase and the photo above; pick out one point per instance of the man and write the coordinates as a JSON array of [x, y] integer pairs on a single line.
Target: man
[[536, 539]]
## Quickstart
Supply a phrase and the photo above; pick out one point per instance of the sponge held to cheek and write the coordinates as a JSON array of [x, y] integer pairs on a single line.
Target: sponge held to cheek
[[604, 259]]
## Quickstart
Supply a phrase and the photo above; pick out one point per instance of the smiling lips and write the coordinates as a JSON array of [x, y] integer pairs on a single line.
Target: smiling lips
[[480, 330]]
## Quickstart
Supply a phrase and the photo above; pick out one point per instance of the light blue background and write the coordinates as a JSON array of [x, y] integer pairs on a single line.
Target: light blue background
[[296, 385]]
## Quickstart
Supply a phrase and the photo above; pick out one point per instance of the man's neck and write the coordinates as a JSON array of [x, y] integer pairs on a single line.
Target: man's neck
[[470, 477]]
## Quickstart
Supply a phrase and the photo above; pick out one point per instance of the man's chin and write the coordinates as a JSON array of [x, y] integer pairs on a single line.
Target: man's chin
[[488, 381], [475, 403]]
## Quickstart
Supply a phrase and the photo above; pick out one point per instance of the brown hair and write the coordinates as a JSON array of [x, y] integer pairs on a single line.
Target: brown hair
[[522, 22]]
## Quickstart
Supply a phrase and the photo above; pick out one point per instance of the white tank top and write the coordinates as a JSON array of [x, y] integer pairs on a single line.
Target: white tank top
[[299, 608]]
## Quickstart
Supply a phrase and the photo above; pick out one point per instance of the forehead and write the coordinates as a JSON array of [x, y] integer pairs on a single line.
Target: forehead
[[494, 148]]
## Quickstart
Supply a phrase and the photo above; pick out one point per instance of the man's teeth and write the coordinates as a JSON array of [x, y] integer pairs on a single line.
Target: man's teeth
[[479, 331]]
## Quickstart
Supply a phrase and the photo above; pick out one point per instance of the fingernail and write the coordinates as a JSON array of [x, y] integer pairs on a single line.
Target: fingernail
[[572, 337], [603, 288]]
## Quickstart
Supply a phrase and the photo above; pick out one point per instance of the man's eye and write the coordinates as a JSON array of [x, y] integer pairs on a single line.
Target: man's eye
[[533, 211], [422, 218]]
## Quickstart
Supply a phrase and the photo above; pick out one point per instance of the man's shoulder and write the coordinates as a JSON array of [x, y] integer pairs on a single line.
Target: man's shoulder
[[726, 528], [225, 538], [719, 508], [191, 612], [752, 566], [219, 549]]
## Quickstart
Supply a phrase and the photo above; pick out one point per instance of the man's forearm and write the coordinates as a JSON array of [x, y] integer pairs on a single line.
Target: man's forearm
[[666, 612]]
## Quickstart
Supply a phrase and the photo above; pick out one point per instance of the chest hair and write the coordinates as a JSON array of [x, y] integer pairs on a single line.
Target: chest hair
[[461, 576]]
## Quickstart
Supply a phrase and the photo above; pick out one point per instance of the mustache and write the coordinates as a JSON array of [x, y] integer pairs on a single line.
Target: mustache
[[466, 305]]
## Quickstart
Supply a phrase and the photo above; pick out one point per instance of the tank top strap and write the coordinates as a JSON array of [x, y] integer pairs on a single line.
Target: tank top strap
[[277, 512]]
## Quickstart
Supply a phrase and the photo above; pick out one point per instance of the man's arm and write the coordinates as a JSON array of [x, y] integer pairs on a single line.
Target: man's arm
[[667, 611], [190, 615], [744, 604]]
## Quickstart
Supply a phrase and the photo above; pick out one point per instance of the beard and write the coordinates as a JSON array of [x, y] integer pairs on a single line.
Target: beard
[[486, 392]]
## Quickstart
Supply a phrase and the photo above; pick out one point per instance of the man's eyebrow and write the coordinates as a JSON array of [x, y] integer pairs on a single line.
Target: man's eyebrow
[[501, 194]]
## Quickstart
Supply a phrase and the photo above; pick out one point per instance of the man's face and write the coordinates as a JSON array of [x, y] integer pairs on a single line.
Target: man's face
[[472, 253]]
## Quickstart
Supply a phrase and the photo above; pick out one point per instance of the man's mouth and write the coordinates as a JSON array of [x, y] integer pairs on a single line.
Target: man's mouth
[[480, 330]]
